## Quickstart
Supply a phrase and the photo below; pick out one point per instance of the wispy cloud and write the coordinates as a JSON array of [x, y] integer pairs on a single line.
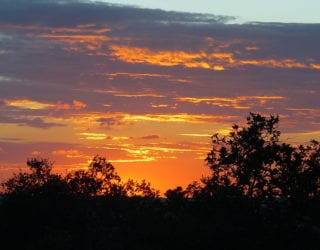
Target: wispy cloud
[[239, 102]]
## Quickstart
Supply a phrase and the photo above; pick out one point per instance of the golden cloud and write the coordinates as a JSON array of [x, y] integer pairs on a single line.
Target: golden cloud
[[36, 105], [71, 153], [214, 61], [180, 117], [28, 104], [169, 58], [236, 102], [94, 136]]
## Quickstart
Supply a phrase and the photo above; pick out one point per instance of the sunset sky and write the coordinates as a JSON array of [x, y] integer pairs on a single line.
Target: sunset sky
[[147, 87]]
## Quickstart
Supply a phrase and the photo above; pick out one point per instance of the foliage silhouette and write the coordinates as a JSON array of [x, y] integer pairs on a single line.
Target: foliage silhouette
[[262, 194], [101, 178], [253, 161], [41, 180]]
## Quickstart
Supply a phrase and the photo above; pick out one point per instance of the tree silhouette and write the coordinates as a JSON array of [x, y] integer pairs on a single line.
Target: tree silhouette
[[243, 158], [40, 180], [253, 160], [100, 179], [296, 174], [133, 188]]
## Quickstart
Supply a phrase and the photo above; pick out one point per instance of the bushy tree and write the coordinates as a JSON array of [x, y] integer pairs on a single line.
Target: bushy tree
[[252, 160], [296, 172], [133, 188], [100, 179], [40, 179]]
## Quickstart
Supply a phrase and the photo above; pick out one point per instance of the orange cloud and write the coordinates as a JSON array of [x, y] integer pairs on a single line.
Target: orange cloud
[[36, 105], [214, 61], [180, 117], [197, 135], [28, 104], [283, 63], [86, 122], [251, 48], [236, 102], [159, 105], [315, 66], [120, 138], [167, 58], [68, 153], [94, 136], [78, 104]]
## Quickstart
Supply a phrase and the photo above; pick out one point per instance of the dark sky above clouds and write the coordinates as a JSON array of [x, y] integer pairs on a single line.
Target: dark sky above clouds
[[145, 87]]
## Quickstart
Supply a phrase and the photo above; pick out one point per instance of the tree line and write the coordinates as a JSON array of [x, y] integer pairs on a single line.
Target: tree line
[[262, 193]]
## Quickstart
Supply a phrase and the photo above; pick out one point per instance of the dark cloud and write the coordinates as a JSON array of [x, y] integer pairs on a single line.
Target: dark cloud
[[69, 13], [150, 137], [2, 103], [40, 123], [31, 122], [109, 122]]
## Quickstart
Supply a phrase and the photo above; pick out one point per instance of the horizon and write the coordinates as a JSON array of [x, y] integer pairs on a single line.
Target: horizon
[[146, 88]]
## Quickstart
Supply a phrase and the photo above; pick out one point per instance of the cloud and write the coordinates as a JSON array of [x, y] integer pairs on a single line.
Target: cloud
[[69, 153], [172, 58], [27, 104], [47, 13], [239, 102], [2, 103], [35, 122], [39, 123], [129, 95], [94, 136], [197, 135], [212, 61], [78, 105], [4, 78], [177, 118], [150, 137], [108, 122]]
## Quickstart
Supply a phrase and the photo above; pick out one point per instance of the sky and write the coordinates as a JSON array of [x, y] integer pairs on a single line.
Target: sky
[[146, 88], [289, 11]]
